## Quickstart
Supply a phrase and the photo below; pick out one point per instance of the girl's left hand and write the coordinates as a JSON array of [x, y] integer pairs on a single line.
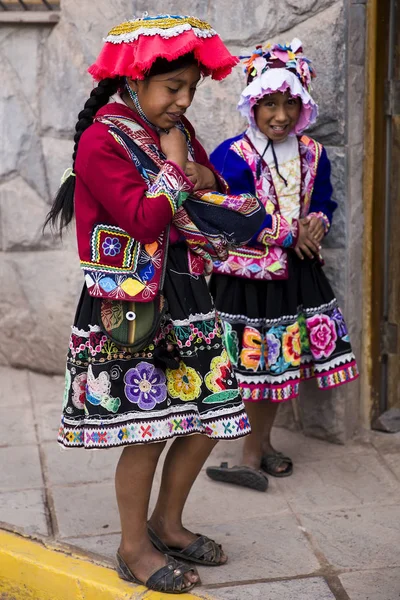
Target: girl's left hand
[[202, 177], [316, 229]]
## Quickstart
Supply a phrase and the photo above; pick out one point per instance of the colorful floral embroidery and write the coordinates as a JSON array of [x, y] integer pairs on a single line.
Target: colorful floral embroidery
[[111, 246], [291, 345], [274, 348], [219, 374], [98, 391], [322, 335], [254, 355], [231, 342], [145, 386], [304, 341], [183, 383], [79, 391]]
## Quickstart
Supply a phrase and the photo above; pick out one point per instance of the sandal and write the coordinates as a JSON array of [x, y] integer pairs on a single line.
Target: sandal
[[270, 463], [244, 476], [202, 551], [168, 579]]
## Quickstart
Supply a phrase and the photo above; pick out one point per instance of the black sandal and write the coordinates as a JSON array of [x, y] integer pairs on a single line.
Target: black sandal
[[244, 476], [270, 463], [168, 579], [202, 551]]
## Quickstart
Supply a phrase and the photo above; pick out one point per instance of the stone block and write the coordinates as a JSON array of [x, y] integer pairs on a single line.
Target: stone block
[[21, 469], [102, 546], [393, 462], [21, 148], [355, 116], [17, 425], [306, 449], [359, 538], [25, 510], [92, 27], [373, 585], [261, 547], [14, 388], [58, 157], [213, 503], [22, 50], [89, 509], [45, 389], [337, 237], [357, 30], [61, 465], [48, 419], [346, 482], [66, 84], [22, 214], [322, 413], [314, 588], [38, 304], [335, 269]]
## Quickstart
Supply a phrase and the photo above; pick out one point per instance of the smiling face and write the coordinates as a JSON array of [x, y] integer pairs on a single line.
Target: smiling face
[[276, 115], [165, 98]]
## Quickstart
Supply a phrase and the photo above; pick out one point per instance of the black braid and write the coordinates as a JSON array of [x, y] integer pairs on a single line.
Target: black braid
[[62, 209]]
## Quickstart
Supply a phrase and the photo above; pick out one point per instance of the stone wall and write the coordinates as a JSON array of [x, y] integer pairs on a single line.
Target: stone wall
[[45, 86]]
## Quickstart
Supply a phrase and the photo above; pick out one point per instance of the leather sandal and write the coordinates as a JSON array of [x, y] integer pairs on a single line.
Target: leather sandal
[[270, 463], [203, 551], [169, 579], [241, 475]]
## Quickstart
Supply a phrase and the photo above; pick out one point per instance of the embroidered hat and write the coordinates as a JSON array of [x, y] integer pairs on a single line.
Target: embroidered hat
[[132, 47], [279, 68]]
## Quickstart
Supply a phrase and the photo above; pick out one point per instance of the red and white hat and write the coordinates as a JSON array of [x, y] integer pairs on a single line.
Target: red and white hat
[[132, 47]]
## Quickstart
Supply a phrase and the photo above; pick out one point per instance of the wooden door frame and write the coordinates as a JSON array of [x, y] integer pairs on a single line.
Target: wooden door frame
[[376, 54]]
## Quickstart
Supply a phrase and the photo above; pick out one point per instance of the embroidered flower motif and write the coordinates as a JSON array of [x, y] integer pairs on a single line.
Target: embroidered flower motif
[[98, 391], [274, 348], [231, 342], [322, 335], [79, 391], [304, 341], [340, 322], [145, 386], [111, 246], [291, 345], [183, 383], [220, 372], [254, 354]]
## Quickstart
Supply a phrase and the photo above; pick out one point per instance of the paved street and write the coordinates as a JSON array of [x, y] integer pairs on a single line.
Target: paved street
[[332, 530]]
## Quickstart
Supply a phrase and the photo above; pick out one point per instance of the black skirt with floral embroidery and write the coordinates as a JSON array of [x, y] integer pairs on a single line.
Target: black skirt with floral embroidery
[[115, 398]]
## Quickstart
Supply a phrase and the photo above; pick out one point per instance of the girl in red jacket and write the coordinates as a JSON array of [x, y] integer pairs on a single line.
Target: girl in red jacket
[[136, 161]]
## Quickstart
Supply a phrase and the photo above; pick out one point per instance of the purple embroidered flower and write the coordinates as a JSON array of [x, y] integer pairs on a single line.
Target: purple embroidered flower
[[340, 323], [111, 246], [274, 348], [145, 386]]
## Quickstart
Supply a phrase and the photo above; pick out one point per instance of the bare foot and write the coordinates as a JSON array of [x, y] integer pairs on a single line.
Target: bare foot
[[146, 560]]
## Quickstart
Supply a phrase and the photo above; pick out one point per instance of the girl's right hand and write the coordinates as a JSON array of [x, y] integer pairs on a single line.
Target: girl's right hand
[[174, 146], [306, 244]]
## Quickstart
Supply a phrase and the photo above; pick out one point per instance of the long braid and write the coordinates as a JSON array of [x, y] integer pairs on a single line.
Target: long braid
[[62, 210]]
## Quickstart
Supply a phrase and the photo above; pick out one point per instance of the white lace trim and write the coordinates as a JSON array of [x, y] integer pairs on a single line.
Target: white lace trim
[[164, 33], [194, 318]]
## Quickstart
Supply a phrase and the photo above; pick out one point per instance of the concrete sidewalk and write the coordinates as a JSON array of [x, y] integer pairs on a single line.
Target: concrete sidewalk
[[332, 530]]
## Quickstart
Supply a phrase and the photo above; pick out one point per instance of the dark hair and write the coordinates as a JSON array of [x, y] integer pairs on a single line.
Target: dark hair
[[162, 65], [62, 210]]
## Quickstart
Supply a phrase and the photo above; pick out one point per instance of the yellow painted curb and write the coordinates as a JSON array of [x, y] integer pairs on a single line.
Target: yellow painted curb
[[31, 571]]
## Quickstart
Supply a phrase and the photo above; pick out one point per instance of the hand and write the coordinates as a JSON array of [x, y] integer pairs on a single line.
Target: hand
[[305, 242], [202, 177], [317, 229], [174, 146]]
